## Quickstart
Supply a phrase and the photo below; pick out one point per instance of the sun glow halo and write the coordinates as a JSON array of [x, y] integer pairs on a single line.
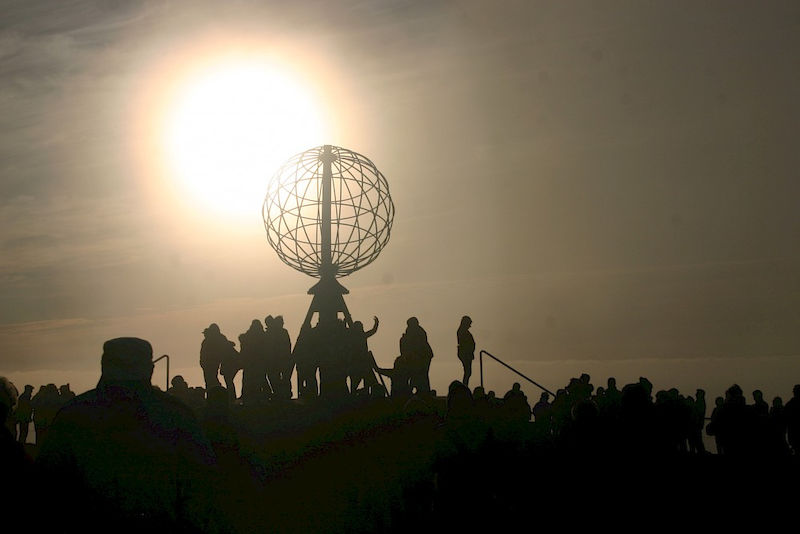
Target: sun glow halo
[[232, 127]]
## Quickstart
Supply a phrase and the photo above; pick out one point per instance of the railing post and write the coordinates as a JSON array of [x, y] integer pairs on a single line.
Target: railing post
[[480, 359], [158, 360]]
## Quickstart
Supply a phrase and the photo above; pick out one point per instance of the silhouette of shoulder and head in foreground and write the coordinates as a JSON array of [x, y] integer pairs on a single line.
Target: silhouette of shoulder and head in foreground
[[133, 457], [9, 396], [15, 465]]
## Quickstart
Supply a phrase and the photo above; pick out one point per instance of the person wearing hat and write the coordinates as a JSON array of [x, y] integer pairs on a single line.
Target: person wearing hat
[[213, 350], [134, 456]]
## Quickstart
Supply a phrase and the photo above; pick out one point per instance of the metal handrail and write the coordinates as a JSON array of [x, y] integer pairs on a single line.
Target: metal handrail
[[501, 362], [159, 359]]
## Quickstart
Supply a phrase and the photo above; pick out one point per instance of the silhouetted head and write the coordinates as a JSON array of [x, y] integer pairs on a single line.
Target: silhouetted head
[[255, 324], [777, 402], [459, 399], [515, 387], [64, 389], [719, 401], [178, 382], [758, 395], [478, 393], [572, 383], [796, 391], [612, 383], [734, 393], [358, 326], [28, 388], [646, 384], [279, 321], [700, 394], [412, 322], [8, 398], [544, 396], [212, 329], [126, 359], [585, 378], [466, 322]]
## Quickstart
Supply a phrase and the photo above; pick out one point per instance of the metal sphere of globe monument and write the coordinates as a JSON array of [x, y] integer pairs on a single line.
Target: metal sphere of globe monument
[[328, 210]]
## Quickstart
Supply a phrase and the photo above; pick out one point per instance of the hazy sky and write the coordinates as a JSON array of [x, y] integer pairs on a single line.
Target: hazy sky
[[602, 186]]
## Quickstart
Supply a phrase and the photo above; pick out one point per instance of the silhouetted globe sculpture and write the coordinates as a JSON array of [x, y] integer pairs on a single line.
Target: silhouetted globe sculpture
[[327, 214], [360, 207]]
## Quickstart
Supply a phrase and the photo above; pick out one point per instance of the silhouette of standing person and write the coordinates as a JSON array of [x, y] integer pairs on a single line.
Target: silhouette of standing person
[[134, 456], [65, 394], [333, 365], [254, 373], [212, 351], [698, 422], [466, 348], [792, 417], [229, 368], [46, 404], [416, 351], [180, 390], [23, 413], [306, 356], [400, 375], [278, 354], [283, 357], [541, 410], [363, 362]]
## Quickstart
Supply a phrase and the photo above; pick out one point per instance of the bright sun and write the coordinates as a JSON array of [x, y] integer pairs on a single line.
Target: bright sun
[[232, 126]]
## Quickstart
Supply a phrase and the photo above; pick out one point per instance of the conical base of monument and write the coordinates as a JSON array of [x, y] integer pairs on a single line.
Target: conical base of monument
[[328, 303], [316, 344]]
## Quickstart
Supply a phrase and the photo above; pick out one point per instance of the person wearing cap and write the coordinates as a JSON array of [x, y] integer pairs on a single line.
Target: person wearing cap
[[134, 456], [213, 350]]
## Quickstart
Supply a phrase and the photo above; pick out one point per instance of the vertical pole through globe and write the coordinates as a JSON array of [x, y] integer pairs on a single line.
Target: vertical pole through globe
[[325, 220]]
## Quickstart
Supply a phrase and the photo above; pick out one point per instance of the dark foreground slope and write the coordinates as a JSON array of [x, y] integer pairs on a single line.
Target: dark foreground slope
[[385, 466]]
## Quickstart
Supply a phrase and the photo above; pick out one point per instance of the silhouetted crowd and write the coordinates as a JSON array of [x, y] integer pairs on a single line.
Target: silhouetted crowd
[[196, 459], [608, 420], [39, 408], [336, 351]]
